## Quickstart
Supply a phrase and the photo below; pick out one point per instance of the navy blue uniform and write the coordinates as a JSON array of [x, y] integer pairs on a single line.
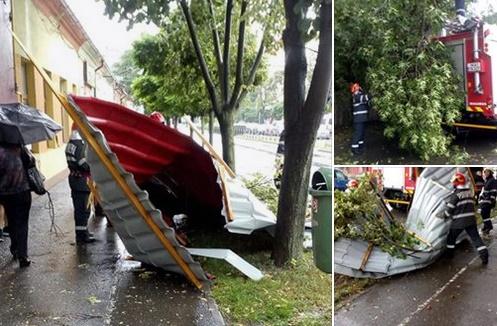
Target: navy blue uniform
[[487, 201], [79, 173], [360, 112], [460, 207]]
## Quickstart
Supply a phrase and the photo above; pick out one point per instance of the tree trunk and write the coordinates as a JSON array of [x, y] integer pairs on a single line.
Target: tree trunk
[[202, 126], [301, 124], [226, 125], [175, 123], [211, 127]]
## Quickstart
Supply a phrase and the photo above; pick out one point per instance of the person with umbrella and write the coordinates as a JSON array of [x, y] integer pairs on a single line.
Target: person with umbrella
[[19, 125]]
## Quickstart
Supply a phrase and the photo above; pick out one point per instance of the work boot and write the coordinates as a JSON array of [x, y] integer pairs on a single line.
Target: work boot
[[484, 256], [84, 237], [487, 226], [24, 262]]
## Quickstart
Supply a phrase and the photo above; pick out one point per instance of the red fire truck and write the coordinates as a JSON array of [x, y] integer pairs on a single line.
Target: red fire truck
[[473, 45]]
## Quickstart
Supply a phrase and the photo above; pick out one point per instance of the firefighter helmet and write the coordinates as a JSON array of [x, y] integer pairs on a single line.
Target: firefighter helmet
[[157, 116], [458, 179], [353, 184], [355, 87]]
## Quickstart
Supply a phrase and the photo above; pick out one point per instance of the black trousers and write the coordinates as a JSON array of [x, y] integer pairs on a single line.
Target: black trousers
[[358, 136], [472, 231], [81, 210], [17, 208], [485, 215]]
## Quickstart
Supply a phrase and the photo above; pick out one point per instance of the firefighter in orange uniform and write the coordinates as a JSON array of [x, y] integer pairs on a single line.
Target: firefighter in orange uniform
[[360, 112]]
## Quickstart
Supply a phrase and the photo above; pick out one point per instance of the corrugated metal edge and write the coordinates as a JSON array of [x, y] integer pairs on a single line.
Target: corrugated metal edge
[[348, 253], [137, 237]]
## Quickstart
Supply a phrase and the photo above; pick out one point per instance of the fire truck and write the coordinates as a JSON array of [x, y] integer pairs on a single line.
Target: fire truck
[[473, 45], [396, 183]]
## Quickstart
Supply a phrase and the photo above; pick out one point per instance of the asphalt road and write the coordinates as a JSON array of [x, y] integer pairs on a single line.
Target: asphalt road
[[258, 157], [450, 292], [92, 284]]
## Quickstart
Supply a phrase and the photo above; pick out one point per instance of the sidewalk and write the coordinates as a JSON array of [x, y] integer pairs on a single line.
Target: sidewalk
[[449, 292], [92, 284]]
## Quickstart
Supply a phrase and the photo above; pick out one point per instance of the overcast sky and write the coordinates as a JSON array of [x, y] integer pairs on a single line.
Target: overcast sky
[[110, 36]]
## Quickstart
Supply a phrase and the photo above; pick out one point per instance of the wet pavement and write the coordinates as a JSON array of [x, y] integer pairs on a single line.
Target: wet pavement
[[91, 284], [450, 292], [480, 145]]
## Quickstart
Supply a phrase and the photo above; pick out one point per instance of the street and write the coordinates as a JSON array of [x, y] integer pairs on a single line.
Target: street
[[92, 284], [449, 292], [254, 156]]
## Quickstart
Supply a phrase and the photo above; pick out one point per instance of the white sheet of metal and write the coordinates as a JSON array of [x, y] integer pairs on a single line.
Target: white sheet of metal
[[250, 213], [432, 188], [236, 261]]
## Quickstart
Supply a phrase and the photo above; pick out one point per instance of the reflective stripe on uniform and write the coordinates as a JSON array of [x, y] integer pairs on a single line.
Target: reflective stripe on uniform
[[447, 214], [451, 205], [481, 248], [466, 201], [80, 228], [463, 215], [361, 142], [451, 246], [355, 146], [485, 201], [487, 220], [361, 112]]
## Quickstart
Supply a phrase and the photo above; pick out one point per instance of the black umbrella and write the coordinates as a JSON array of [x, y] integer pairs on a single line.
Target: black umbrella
[[22, 124]]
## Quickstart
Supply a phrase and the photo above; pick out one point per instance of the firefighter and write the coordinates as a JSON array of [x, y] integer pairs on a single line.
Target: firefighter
[[487, 199], [460, 207], [360, 111], [78, 177]]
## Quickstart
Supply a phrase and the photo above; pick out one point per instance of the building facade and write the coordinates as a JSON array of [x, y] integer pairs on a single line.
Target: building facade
[[52, 34]]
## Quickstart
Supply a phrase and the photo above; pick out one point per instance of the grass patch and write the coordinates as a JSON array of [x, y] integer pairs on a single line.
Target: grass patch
[[346, 286], [298, 294]]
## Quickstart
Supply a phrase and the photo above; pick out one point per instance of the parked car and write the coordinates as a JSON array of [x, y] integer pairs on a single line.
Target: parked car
[[340, 180]]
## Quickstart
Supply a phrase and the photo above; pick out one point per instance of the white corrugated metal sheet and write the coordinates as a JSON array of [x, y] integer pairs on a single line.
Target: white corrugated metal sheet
[[432, 188]]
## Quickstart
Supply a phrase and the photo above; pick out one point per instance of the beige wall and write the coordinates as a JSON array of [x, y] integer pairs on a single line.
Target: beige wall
[[64, 64]]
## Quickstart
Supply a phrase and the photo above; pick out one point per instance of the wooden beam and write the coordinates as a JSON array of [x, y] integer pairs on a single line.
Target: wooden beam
[[118, 178], [210, 148], [226, 196]]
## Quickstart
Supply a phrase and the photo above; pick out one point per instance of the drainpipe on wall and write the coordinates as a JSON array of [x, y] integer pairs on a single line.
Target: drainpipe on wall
[[95, 76]]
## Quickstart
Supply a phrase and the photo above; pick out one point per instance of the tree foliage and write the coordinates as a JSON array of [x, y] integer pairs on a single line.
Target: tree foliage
[[390, 47], [170, 82], [228, 82], [357, 216]]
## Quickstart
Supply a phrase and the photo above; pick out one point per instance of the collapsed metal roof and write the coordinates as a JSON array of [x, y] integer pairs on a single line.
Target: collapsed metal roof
[[432, 188]]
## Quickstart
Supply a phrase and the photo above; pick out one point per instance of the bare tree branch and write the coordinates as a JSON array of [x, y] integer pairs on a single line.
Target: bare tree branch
[[200, 56], [240, 52], [251, 78], [226, 53], [215, 39], [321, 76]]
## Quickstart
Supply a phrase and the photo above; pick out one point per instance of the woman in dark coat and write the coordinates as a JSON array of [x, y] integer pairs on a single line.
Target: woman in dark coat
[[15, 196]]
